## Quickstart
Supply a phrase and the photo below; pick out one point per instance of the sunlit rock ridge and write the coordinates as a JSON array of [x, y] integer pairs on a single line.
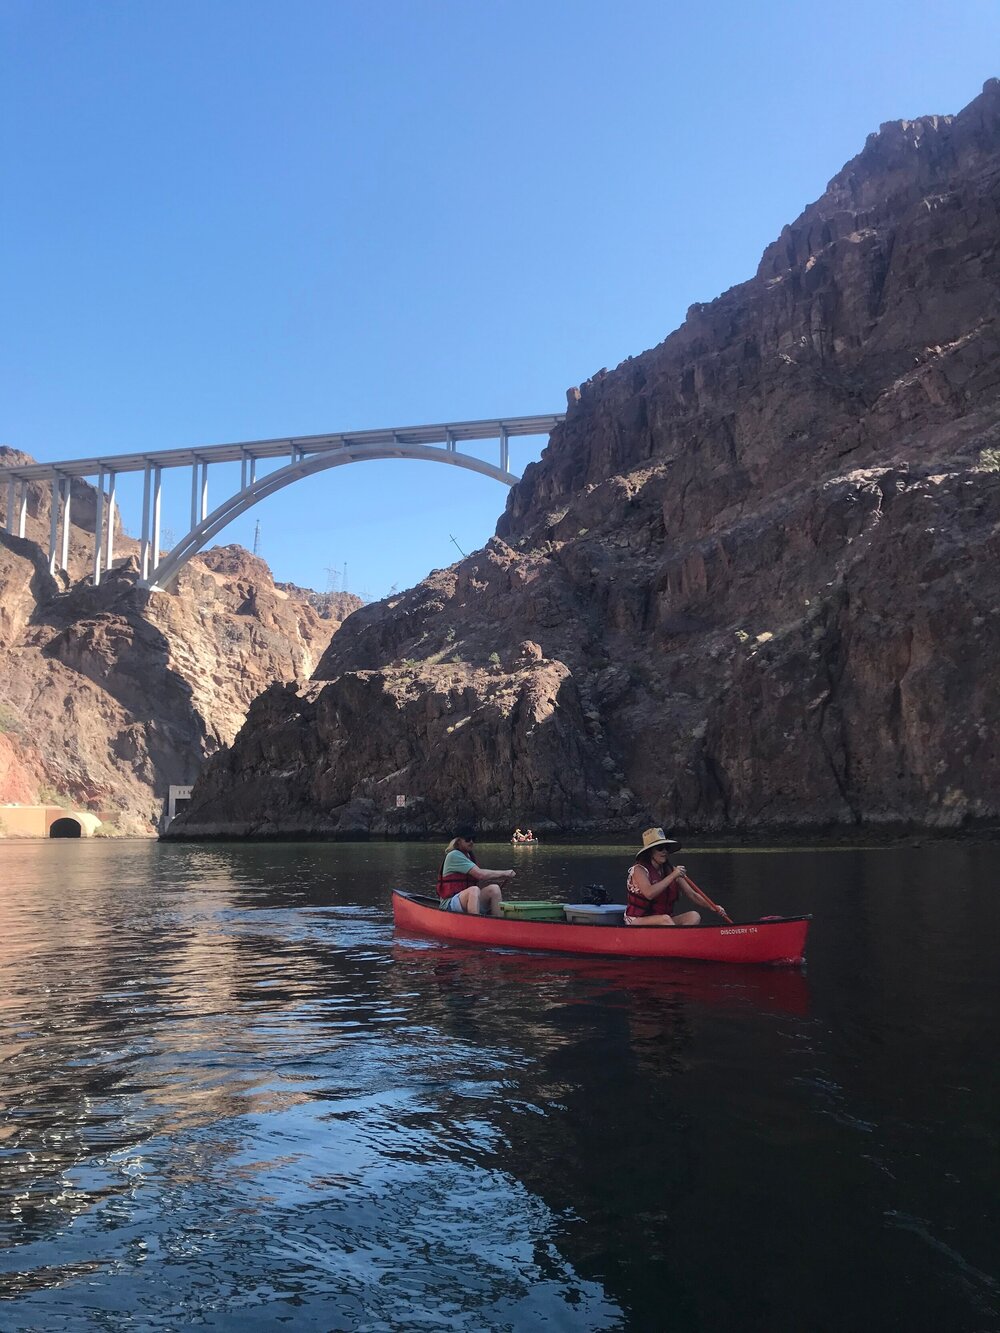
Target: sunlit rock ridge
[[109, 695], [752, 584]]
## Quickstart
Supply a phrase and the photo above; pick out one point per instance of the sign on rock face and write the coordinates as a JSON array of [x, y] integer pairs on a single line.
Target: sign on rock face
[[400, 800]]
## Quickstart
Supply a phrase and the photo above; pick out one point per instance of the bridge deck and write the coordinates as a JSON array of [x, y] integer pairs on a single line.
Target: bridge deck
[[445, 433]]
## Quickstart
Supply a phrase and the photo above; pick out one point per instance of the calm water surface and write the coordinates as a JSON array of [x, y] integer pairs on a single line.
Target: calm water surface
[[232, 1099]]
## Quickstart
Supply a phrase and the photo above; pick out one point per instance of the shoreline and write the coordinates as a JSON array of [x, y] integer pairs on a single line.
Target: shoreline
[[774, 839]]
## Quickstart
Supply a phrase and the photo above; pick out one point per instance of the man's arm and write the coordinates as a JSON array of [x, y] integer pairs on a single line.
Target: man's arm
[[479, 872]]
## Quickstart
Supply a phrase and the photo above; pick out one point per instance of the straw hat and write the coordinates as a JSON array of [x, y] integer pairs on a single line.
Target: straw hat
[[655, 837]]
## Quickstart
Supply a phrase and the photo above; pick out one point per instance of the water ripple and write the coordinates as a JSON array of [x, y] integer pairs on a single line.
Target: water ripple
[[232, 1099]]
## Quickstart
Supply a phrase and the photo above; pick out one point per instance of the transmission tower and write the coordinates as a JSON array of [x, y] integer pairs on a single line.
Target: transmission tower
[[256, 539]]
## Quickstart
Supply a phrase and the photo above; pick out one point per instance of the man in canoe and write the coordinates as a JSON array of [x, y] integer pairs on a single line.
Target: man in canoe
[[654, 887], [463, 885]]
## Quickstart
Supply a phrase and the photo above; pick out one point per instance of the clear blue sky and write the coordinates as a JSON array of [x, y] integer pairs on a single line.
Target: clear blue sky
[[231, 220]]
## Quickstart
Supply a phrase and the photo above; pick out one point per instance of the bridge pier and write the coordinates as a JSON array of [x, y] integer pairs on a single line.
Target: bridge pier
[[194, 493], [54, 522], [17, 506], [67, 490], [248, 469], [112, 495], [157, 491], [98, 533], [199, 491], [144, 539]]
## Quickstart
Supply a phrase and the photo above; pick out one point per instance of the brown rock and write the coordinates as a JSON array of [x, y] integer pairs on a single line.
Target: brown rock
[[759, 562], [113, 693]]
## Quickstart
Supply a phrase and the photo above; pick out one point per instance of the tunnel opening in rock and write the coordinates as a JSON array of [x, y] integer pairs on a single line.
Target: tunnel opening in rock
[[65, 828]]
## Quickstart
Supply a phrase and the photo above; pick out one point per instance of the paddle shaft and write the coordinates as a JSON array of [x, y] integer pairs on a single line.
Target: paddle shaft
[[704, 896]]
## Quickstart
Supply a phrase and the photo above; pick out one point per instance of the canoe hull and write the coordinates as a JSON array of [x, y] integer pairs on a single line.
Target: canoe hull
[[780, 942]]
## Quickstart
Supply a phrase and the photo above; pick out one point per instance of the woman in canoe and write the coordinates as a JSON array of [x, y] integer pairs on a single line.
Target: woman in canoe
[[463, 885], [654, 887]]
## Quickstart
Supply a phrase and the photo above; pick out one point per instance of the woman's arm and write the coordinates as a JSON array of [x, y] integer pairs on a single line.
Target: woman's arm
[[641, 882]]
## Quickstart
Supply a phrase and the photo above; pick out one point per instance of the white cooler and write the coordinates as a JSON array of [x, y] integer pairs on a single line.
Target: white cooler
[[588, 914]]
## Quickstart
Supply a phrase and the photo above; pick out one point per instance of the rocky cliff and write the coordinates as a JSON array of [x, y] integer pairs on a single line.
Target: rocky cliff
[[753, 582], [109, 694]]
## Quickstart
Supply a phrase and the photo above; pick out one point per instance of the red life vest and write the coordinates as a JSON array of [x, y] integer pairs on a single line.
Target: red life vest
[[455, 881], [662, 904]]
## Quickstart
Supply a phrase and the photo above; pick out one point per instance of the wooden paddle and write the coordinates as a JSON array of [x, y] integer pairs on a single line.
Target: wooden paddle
[[705, 898]]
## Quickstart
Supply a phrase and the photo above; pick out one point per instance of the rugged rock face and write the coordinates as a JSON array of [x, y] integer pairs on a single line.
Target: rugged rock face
[[758, 564], [109, 694]]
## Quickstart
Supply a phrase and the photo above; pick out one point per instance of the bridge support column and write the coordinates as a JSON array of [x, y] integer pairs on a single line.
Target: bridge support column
[[157, 488], [67, 489], [112, 492], [22, 509], [99, 528], [504, 450], [194, 494], [11, 485], [204, 493], [54, 522], [248, 470], [144, 540]]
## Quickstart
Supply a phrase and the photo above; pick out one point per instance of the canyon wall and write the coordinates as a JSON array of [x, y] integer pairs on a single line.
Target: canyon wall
[[110, 694], [753, 583]]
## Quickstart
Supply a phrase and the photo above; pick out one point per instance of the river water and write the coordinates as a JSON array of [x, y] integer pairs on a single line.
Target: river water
[[233, 1099]]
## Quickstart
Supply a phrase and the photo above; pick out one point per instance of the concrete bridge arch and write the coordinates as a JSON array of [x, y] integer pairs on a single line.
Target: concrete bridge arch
[[245, 499]]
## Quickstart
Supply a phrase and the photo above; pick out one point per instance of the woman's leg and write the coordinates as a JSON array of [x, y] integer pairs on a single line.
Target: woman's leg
[[688, 919], [651, 920]]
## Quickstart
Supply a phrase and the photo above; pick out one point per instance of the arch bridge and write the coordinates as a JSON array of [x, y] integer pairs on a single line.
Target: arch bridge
[[305, 456]]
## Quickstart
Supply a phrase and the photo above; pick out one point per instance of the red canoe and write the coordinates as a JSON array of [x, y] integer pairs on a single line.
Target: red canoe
[[780, 940]]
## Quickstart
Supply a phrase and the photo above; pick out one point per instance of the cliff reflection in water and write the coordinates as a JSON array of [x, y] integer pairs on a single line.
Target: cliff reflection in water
[[230, 1087]]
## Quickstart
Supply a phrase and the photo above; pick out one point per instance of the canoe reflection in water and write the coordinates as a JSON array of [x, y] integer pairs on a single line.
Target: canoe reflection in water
[[653, 993]]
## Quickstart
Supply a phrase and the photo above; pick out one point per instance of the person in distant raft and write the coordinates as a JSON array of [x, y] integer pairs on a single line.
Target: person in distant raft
[[654, 887], [463, 885]]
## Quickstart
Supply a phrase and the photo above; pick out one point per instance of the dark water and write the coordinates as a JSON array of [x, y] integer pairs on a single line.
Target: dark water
[[232, 1099]]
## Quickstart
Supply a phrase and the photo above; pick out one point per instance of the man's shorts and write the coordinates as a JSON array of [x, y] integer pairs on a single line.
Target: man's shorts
[[452, 904]]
